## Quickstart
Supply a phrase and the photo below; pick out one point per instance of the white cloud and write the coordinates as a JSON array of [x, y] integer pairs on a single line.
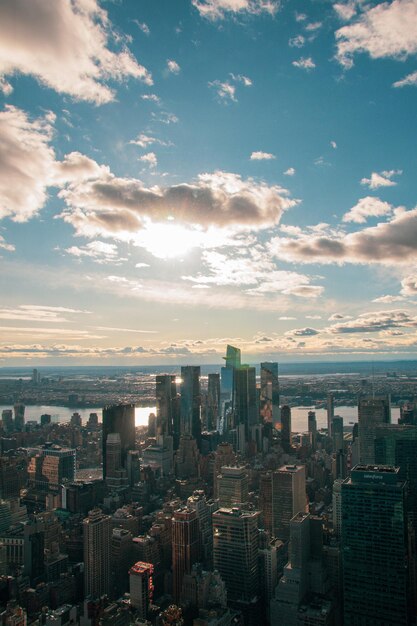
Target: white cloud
[[376, 322], [313, 26], [300, 17], [173, 66], [65, 46], [240, 78], [150, 158], [333, 145], [164, 117], [407, 81], [26, 162], [218, 9], [409, 285], [297, 42], [304, 63], [345, 11], [367, 207], [38, 313], [302, 332], [289, 172], [262, 156], [143, 27], [225, 90], [6, 246], [381, 179], [152, 97], [388, 299], [385, 30], [5, 87], [99, 251]]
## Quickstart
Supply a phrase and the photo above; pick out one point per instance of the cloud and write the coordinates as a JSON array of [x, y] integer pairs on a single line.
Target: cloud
[[297, 42], [6, 246], [26, 162], [152, 97], [389, 242], [304, 63], [375, 322], [388, 299], [99, 251], [407, 81], [219, 9], [143, 27], [5, 87], [302, 332], [367, 207], [173, 67], [65, 46], [333, 145], [338, 316], [225, 90], [387, 30], [382, 179], [289, 172], [262, 156], [164, 117], [345, 11], [313, 26], [150, 158], [240, 78], [37, 313], [75, 167], [409, 285], [121, 207]]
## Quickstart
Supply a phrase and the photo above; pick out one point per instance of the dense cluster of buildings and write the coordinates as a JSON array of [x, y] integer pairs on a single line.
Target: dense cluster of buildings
[[217, 514]]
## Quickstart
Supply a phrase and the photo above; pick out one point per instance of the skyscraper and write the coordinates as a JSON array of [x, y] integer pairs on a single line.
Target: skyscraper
[[312, 428], [375, 547], [191, 402], [19, 417], [185, 545], [233, 486], [119, 418], [288, 498], [97, 533], [286, 427], [330, 414], [233, 361], [371, 412], [213, 401], [244, 398], [166, 393], [141, 587], [235, 536], [269, 398], [337, 433]]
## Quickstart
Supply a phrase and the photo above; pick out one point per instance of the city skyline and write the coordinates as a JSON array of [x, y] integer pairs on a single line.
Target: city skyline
[[179, 176]]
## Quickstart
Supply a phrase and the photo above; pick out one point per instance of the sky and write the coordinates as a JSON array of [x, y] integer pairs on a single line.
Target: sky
[[176, 175]]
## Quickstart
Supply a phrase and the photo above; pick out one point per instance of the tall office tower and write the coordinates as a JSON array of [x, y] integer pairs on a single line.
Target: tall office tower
[[141, 587], [213, 401], [191, 402], [408, 413], [244, 399], [286, 427], [371, 412], [375, 547], [119, 418], [166, 393], [269, 398], [337, 433], [337, 506], [288, 498], [51, 467], [185, 546], [265, 500], [92, 420], [121, 551], [330, 414], [224, 455], [97, 534], [235, 537], [13, 475], [19, 417], [233, 361], [204, 509], [187, 459], [312, 428], [233, 486], [7, 420], [113, 454], [270, 557], [33, 550]]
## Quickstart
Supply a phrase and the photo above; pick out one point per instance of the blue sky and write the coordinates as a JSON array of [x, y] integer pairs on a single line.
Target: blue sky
[[178, 175]]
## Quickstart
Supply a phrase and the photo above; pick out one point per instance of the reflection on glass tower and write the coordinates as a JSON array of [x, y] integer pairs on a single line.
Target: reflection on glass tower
[[244, 398], [119, 418], [233, 361], [213, 401], [166, 393], [269, 400], [191, 402]]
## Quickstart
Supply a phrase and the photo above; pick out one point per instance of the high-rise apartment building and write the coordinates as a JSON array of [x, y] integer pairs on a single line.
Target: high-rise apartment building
[[185, 545], [288, 498], [312, 428], [269, 398], [191, 402], [337, 433], [286, 427], [7, 420], [235, 537], [371, 412], [375, 547], [141, 587], [119, 418], [97, 532]]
